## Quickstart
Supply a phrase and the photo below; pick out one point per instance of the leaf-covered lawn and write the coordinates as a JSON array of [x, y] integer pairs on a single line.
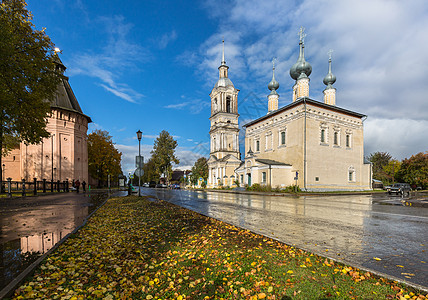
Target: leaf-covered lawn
[[133, 248]]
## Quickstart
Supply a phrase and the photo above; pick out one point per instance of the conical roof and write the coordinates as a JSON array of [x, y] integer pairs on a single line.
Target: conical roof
[[64, 97]]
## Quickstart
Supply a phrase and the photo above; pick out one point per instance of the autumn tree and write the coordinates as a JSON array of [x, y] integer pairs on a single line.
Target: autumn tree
[[199, 169], [27, 77], [391, 171], [414, 170], [103, 158], [163, 154]]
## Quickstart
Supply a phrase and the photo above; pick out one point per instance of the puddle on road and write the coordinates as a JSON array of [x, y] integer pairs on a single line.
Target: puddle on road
[[26, 234]]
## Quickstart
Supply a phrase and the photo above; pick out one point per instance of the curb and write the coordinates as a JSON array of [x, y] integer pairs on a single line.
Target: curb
[[8, 290]]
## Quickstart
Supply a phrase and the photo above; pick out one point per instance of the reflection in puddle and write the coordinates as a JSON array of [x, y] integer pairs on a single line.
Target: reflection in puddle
[[30, 230], [18, 254]]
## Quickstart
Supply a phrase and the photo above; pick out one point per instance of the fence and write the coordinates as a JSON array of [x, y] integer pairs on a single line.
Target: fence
[[33, 187]]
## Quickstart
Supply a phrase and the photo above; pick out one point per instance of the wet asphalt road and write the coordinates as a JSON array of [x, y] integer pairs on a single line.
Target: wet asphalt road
[[354, 229]]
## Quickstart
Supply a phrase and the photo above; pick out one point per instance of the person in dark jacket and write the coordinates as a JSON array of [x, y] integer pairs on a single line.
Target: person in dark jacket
[[77, 185]]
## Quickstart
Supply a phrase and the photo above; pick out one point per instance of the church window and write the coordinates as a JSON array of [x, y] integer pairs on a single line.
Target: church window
[[336, 138], [228, 103], [317, 179], [351, 174], [322, 135], [263, 177], [257, 145], [242, 178], [348, 140], [282, 135]]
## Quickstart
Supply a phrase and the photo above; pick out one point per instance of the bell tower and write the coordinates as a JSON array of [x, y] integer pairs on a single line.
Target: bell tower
[[224, 130]]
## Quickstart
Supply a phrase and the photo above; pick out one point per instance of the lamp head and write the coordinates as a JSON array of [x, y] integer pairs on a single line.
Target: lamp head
[[139, 135]]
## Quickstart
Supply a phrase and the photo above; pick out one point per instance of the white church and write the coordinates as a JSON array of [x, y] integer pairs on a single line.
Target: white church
[[315, 144]]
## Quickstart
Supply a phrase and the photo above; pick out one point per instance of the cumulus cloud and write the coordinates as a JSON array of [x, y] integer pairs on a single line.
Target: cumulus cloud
[[402, 138], [129, 153]]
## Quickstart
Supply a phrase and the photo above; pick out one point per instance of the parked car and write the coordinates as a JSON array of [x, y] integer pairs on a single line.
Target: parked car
[[399, 188], [152, 184]]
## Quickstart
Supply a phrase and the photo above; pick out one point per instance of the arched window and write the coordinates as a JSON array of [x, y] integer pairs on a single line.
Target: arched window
[[228, 108], [322, 135], [336, 142], [282, 137]]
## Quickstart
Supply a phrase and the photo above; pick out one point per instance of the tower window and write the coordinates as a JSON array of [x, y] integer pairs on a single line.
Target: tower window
[[228, 105]]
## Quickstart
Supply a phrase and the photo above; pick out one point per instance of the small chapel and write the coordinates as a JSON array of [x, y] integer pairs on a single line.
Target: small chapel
[[315, 145], [63, 155]]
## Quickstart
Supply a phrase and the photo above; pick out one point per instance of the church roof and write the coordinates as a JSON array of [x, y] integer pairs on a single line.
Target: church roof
[[271, 162], [223, 82], [309, 101], [64, 97]]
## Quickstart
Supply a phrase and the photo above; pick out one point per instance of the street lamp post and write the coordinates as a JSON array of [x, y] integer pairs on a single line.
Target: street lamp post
[[139, 136]]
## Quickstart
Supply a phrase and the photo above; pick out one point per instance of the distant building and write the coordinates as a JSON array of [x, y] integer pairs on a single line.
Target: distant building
[[315, 144], [62, 156]]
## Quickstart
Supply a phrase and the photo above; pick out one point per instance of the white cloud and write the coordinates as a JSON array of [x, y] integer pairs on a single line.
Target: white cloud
[[193, 106], [94, 126], [117, 55], [402, 138], [166, 39], [129, 153]]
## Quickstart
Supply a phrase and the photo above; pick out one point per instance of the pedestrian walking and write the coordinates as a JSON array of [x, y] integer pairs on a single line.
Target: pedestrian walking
[[77, 185], [84, 186]]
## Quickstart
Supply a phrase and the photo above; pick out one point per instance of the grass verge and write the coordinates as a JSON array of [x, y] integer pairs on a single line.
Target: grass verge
[[133, 248]]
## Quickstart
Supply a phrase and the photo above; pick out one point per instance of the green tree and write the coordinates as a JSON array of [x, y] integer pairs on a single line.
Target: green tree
[[27, 77], [163, 154], [414, 170], [149, 172], [379, 160], [199, 169], [103, 158]]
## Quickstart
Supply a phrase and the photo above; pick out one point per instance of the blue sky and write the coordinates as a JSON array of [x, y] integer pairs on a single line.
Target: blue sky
[[150, 65]]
